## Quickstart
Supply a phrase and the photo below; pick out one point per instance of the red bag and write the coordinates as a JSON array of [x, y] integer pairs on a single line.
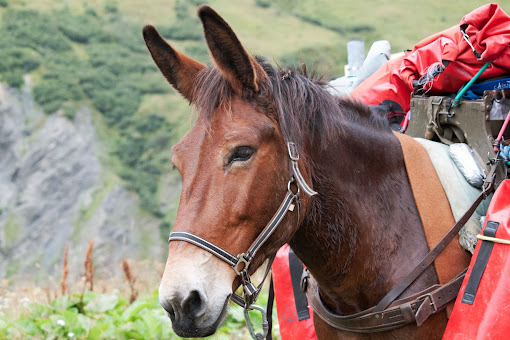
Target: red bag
[[480, 309], [294, 315], [487, 29]]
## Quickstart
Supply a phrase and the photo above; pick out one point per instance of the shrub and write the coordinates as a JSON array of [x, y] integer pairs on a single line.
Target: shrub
[[181, 10], [149, 124], [78, 28], [13, 77], [164, 228], [198, 2], [263, 3], [142, 150], [198, 51], [14, 57], [52, 93], [185, 29], [111, 7], [69, 109], [34, 29]]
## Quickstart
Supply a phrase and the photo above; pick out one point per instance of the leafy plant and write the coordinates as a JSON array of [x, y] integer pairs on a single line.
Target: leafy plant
[[107, 316]]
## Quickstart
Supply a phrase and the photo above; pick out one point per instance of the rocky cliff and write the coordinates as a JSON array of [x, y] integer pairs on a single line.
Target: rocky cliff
[[54, 191]]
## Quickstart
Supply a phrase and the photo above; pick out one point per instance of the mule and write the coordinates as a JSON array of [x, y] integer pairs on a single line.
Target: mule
[[358, 236]]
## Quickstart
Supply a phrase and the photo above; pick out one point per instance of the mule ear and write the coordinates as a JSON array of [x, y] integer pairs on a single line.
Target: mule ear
[[228, 53], [178, 69]]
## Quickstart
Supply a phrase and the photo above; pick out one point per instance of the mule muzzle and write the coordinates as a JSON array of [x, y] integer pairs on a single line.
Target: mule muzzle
[[189, 315]]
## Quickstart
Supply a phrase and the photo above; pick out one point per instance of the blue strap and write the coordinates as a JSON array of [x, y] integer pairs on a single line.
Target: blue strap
[[476, 90]]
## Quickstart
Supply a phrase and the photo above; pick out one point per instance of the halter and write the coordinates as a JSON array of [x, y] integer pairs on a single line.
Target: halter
[[241, 262]]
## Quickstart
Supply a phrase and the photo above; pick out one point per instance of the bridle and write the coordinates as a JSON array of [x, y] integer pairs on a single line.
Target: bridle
[[241, 262]]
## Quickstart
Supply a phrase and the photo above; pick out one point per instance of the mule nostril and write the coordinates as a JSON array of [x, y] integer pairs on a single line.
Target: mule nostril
[[195, 304], [167, 306]]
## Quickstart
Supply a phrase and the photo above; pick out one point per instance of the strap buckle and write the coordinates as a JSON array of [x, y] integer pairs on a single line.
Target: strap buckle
[[241, 258], [293, 151], [431, 300]]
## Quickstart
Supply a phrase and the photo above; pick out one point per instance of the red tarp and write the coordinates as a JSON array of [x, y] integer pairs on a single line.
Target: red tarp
[[291, 327], [485, 315], [488, 29]]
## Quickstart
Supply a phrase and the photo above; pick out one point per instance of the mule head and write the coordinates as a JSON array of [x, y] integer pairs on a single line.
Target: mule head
[[234, 167]]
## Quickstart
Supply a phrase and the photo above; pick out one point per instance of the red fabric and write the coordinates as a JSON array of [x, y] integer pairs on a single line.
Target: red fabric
[[486, 318], [290, 327], [489, 33]]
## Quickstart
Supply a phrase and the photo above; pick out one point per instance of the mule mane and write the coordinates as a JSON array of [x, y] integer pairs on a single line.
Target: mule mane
[[304, 110]]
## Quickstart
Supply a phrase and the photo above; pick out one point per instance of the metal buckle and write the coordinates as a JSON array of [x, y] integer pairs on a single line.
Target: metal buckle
[[429, 296], [293, 152], [241, 259], [289, 186], [432, 102]]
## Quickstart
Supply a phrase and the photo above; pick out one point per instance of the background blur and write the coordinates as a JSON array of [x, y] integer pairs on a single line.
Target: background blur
[[87, 121]]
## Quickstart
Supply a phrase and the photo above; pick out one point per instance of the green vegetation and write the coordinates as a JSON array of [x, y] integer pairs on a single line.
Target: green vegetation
[[107, 316], [143, 148]]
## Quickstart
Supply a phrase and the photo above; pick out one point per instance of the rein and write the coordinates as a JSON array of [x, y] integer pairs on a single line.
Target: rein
[[390, 314], [241, 262]]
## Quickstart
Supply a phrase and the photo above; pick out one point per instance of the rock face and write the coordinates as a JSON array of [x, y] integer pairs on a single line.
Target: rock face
[[55, 191]]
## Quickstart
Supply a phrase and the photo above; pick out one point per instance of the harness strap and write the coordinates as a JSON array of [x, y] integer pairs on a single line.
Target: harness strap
[[480, 263], [269, 308], [416, 308]]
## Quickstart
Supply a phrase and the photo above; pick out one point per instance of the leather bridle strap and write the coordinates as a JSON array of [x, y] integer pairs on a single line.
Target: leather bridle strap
[[294, 157], [246, 257], [204, 244]]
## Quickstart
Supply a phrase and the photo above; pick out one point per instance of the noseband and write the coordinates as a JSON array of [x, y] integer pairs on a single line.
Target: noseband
[[241, 262]]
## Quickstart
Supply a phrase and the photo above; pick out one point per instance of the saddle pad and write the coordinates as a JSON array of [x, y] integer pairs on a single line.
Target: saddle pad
[[434, 209], [459, 192]]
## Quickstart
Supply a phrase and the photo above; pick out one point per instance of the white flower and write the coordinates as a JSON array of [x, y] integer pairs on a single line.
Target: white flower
[[70, 335], [61, 322]]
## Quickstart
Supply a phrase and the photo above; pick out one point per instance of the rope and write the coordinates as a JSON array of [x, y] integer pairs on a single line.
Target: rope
[[492, 239]]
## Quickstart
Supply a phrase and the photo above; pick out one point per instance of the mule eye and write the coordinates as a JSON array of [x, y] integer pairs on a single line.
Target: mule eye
[[241, 154]]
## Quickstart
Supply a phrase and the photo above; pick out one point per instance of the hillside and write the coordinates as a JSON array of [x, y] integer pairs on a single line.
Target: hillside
[[87, 122]]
